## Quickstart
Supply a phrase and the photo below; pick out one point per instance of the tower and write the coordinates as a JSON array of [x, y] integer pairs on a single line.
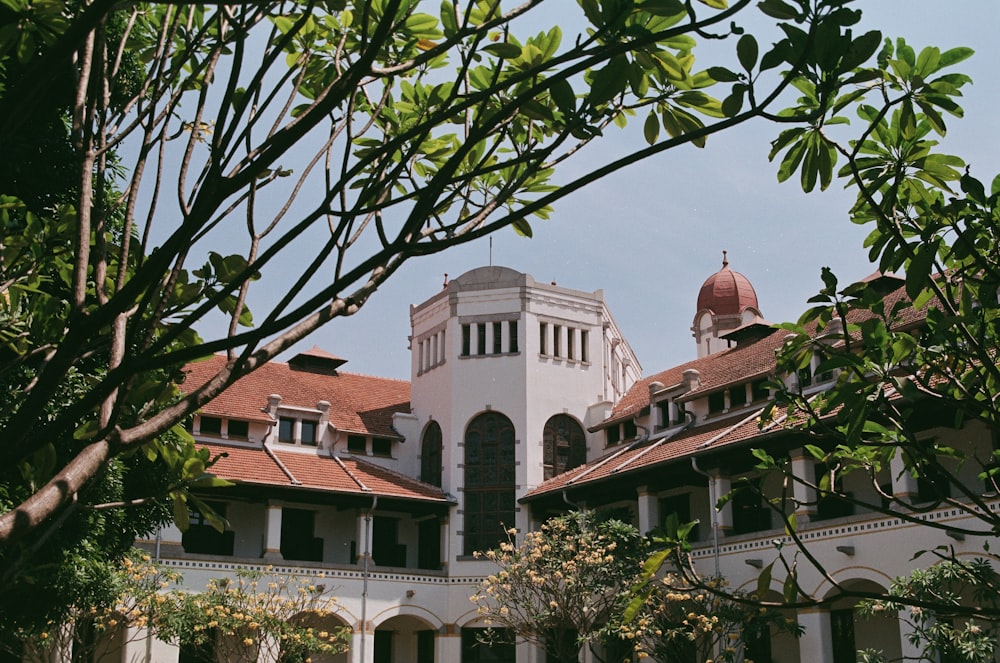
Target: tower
[[726, 301]]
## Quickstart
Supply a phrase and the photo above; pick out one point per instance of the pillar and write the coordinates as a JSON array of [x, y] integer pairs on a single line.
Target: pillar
[[365, 525], [272, 531], [816, 643], [803, 469], [649, 510], [448, 643], [724, 518], [904, 484]]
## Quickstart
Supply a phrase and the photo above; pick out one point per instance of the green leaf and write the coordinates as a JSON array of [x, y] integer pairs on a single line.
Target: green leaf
[[504, 50], [522, 227], [723, 75], [778, 9], [764, 581], [651, 128], [747, 51]]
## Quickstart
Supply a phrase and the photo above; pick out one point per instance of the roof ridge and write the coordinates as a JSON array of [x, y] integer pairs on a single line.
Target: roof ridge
[[356, 480], [277, 461]]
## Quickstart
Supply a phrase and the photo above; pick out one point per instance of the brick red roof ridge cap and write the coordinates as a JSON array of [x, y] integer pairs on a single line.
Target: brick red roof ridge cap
[[343, 466], [397, 473]]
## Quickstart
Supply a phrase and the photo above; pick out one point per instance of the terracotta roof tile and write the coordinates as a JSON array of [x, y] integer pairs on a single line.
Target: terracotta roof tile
[[358, 403], [318, 471]]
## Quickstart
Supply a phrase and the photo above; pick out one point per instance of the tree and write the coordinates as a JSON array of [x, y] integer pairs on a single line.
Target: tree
[[104, 625], [258, 616], [562, 585], [569, 585], [902, 364], [341, 111]]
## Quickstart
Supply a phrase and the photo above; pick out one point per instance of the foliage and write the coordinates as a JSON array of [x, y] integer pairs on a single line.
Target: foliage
[[258, 616], [940, 631], [569, 576], [107, 623], [901, 364], [681, 621], [568, 585], [324, 144]]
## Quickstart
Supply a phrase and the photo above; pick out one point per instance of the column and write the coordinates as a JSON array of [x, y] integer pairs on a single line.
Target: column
[[804, 468], [363, 646], [272, 531], [816, 643], [904, 485], [445, 534], [649, 510], [365, 525], [724, 518], [448, 643]]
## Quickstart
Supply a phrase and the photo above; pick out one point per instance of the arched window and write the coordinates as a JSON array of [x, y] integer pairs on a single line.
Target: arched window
[[430, 455], [489, 481], [564, 446]]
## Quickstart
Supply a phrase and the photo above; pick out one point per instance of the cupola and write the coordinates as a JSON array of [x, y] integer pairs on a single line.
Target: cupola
[[726, 301]]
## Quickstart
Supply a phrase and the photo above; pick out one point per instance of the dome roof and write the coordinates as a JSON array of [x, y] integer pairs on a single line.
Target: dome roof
[[727, 292]]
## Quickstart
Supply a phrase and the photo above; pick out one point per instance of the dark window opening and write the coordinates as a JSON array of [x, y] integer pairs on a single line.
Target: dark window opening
[[556, 341], [563, 445], [805, 376], [238, 430], [680, 506], [382, 649], [760, 390], [584, 349], [512, 332], [497, 338], [386, 548], [570, 349], [425, 646], [430, 455], [211, 426], [429, 544], [750, 513], [629, 429], [466, 341], [357, 444], [286, 430], [309, 432], [489, 481], [842, 632], [201, 652], [738, 396], [297, 539], [481, 339], [716, 402], [663, 413], [203, 539], [829, 505], [543, 329], [500, 649], [614, 434], [381, 446]]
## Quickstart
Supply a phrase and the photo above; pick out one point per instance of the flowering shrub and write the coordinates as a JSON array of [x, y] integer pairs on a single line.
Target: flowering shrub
[[562, 584], [942, 630], [257, 616], [681, 622], [108, 622]]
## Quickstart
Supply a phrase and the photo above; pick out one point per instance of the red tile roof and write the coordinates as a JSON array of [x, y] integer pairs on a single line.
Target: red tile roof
[[358, 403], [317, 471], [746, 362]]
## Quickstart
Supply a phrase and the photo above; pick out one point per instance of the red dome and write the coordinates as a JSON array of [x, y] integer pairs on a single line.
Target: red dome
[[727, 292]]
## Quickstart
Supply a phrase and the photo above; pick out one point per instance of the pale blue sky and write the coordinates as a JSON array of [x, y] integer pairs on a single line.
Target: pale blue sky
[[650, 235]]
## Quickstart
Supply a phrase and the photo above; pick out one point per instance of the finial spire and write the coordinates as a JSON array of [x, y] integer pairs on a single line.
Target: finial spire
[[725, 260]]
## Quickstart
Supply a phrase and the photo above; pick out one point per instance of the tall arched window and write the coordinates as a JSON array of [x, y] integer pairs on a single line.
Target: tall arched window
[[489, 481], [430, 455], [564, 446]]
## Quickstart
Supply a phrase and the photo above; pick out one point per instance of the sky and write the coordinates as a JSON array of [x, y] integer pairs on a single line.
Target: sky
[[651, 234]]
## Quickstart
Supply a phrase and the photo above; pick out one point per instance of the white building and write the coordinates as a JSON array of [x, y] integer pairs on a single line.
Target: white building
[[524, 397]]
